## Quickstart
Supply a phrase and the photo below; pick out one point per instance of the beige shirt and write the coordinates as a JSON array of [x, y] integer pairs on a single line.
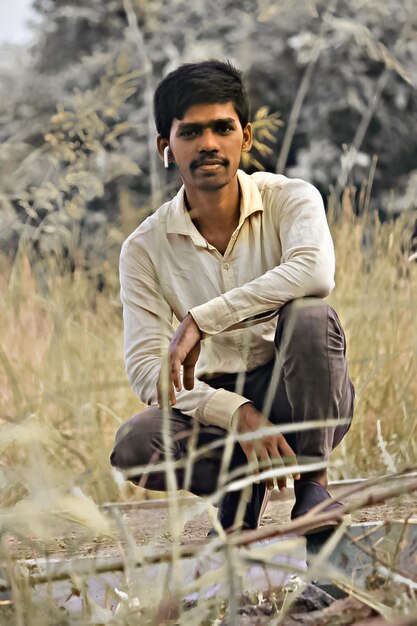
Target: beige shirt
[[280, 250]]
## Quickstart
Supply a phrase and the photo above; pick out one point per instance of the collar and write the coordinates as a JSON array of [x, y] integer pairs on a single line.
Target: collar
[[180, 223]]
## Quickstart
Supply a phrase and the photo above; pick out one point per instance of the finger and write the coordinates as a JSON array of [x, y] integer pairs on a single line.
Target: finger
[[175, 368], [284, 448], [190, 360], [292, 460], [280, 481], [172, 398], [288, 455], [253, 464], [266, 463], [188, 377], [247, 449], [164, 391]]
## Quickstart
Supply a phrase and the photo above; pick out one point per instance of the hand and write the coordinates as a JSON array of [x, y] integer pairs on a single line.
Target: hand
[[184, 349], [270, 450]]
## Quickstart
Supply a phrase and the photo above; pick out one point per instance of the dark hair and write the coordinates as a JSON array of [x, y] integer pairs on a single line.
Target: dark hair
[[209, 81]]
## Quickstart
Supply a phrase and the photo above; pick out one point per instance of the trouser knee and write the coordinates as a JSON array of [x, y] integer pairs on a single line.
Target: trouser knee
[[311, 353], [135, 441], [126, 454], [301, 319]]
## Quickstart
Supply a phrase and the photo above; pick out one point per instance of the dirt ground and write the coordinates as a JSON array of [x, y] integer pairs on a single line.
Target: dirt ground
[[147, 523]]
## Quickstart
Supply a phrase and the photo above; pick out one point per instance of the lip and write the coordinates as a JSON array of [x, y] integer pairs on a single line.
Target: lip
[[210, 165]]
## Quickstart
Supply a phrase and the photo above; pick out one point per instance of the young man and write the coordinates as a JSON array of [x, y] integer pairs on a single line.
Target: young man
[[243, 262]]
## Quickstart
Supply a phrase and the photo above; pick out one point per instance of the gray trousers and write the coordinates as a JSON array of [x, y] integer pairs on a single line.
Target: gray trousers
[[307, 381]]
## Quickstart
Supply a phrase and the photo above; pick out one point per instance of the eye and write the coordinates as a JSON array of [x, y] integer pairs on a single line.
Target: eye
[[189, 132], [224, 128]]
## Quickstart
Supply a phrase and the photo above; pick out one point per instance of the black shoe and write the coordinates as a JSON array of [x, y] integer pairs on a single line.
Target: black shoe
[[309, 494], [253, 513]]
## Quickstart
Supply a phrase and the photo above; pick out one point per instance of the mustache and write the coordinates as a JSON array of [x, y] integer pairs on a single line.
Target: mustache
[[208, 160]]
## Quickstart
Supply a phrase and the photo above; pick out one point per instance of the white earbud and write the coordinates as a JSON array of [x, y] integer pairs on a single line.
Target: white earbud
[[166, 157]]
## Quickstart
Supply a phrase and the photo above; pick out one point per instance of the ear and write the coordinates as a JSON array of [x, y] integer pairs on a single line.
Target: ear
[[247, 138], [161, 144]]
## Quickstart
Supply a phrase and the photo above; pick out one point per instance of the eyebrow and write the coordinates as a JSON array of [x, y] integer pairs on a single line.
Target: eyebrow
[[211, 124]]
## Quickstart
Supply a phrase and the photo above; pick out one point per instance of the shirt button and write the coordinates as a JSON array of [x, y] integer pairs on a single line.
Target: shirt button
[[218, 327], [226, 266]]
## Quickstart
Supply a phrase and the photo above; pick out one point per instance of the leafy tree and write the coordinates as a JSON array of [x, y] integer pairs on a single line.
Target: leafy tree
[[340, 74]]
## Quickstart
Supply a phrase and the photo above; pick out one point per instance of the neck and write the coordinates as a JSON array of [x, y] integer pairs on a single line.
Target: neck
[[214, 210]]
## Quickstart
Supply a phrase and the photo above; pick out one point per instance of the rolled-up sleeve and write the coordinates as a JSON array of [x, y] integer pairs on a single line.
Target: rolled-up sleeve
[[148, 329]]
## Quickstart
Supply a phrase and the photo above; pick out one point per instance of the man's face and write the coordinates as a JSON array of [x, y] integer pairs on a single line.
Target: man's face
[[207, 144]]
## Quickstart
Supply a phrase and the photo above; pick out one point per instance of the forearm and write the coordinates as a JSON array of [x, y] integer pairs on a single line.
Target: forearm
[[203, 402], [309, 274], [306, 266]]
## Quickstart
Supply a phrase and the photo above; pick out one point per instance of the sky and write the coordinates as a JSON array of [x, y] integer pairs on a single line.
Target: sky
[[14, 15]]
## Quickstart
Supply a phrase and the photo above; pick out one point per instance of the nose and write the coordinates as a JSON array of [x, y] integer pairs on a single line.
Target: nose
[[208, 141]]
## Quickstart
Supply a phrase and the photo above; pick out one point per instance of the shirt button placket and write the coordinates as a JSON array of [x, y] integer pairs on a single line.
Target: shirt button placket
[[229, 282], [228, 277]]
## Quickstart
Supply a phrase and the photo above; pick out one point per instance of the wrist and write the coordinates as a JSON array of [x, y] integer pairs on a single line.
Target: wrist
[[234, 420], [248, 418], [191, 321]]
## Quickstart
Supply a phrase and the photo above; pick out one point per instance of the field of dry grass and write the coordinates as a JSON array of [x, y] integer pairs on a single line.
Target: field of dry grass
[[63, 389], [63, 382]]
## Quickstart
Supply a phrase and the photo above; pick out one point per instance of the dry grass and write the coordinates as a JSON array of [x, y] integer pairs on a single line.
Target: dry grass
[[61, 362], [64, 389], [376, 296], [62, 370]]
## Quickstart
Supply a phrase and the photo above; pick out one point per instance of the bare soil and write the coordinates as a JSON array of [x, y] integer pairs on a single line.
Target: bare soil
[[147, 523]]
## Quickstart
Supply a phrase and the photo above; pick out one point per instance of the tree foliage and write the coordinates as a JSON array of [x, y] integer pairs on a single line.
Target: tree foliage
[[77, 131]]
